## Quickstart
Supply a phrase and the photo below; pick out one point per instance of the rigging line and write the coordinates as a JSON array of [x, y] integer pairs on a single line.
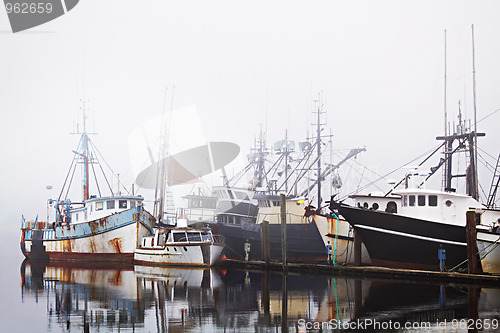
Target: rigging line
[[304, 159], [93, 147], [100, 157], [480, 120], [69, 171], [486, 153], [236, 178], [393, 171], [273, 169], [446, 159], [95, 177], [70, 181]]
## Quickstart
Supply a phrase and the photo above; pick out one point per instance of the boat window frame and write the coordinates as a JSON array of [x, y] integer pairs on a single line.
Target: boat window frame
[[99, 205], [121, 202], [197, 237], [433, 200], [412, 200], [112, 202], [179, 240], [421, 200], [241, 195]]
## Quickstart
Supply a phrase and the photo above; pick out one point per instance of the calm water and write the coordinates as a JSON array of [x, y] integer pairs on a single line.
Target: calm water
[[55, 298]]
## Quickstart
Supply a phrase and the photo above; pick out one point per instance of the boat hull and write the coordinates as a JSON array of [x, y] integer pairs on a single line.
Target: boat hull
[[402, 242], [304, 242], [489, 251], [339, 234], [188, 254], [110, 239]]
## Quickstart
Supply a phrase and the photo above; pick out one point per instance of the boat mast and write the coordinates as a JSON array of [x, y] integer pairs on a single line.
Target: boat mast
[[85, 155], [162, 181], [318, 146], [448, 144], [474, 158]]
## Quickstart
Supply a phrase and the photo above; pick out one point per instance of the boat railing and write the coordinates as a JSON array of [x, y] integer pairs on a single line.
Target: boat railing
[[218, 239], [36, 225]]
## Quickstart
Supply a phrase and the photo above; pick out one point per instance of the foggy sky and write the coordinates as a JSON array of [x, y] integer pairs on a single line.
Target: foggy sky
[[378, 64]]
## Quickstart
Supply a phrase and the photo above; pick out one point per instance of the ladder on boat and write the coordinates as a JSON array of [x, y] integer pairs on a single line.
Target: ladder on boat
[[494, 185]]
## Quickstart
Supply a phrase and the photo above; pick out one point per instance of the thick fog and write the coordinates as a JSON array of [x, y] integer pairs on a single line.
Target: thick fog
[[377, 68]]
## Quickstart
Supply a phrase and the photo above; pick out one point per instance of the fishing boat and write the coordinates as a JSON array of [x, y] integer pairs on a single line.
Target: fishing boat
[[427, 222], [179, 246], [97, 228], [241, 211]]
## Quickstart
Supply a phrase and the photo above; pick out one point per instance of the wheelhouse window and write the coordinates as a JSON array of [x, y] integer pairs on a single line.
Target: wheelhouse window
[[122, 203], [433, 200], [206, 236], [411, 200], [132, 203], [110, 204], [405, 200], [421, 200], [194, 236], [98, 205], [179, 237], [392, 207], [276, 203], [241, 195]]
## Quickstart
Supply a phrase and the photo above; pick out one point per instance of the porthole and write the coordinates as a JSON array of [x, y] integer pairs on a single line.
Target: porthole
[[365, 205], [175, 249], [375, 206], [185, 249], [448, 203]]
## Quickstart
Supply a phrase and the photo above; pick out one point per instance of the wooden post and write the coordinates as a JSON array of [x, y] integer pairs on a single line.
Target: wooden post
[[471, 243], [265, 295], [266, 247], [473, 306], [358, 297], [284, 303], [283, 230], [357, 249]]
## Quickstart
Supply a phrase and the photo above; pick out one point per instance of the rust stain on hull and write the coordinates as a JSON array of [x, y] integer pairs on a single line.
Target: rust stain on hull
[[117, 244], [92, 245], [66, 245]]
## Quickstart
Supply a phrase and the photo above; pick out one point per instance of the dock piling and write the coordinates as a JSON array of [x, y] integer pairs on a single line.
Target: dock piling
[[266, 249], [472, 261], [283, 230]]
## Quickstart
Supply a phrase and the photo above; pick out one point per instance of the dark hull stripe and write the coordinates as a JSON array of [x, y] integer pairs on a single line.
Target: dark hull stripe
[[402, 242], [84, 257]]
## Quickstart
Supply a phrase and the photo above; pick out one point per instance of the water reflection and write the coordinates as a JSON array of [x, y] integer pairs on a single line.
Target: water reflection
[[143, 298]]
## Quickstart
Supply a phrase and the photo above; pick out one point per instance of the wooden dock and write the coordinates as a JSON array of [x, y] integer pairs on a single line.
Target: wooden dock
[[371, 272]]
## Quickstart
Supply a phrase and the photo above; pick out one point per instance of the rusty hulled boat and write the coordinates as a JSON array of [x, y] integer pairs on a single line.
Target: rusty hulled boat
[[97, 228]]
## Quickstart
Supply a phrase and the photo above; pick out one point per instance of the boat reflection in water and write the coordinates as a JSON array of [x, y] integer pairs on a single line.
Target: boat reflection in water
[[160, 299]]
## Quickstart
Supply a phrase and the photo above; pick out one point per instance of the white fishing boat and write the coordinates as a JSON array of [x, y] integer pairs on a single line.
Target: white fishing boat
[[179, 246]]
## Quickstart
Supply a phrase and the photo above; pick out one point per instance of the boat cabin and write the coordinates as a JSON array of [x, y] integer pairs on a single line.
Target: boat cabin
[[270, 210], [377, 201], [177, 236], [97, 208], [443, 207]]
